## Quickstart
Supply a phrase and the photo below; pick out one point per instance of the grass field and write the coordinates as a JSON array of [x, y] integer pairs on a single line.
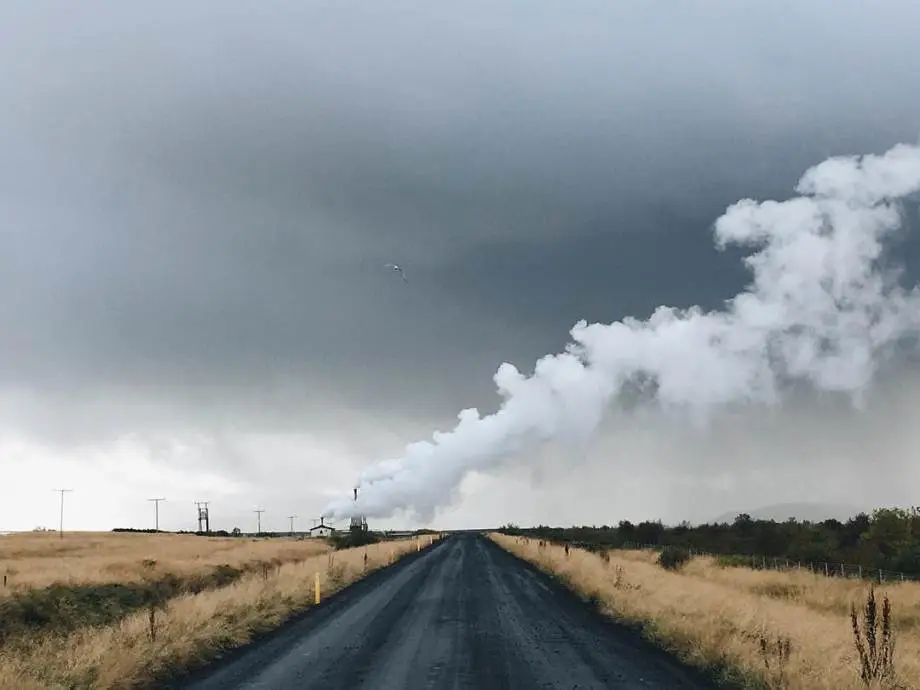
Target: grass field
[[153, 636], [737, 622], [40, 559], [47, 583]]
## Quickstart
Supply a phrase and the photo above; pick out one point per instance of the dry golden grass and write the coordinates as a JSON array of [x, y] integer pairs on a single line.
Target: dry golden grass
[[815, 591], [190, 630], [36, 560], [715, 617]]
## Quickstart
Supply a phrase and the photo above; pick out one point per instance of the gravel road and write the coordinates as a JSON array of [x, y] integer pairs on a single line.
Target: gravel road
[[462, 614]]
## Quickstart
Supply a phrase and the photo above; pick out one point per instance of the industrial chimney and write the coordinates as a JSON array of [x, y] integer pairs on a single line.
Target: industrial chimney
[[358, 522]]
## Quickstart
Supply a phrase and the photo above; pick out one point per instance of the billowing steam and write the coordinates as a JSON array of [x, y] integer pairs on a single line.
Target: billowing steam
[[821, 310]]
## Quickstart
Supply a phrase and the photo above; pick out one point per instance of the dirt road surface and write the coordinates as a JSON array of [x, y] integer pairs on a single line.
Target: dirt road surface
[[462, 614]]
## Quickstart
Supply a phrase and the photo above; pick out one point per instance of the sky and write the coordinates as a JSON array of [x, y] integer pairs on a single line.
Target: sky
[[197, 202]]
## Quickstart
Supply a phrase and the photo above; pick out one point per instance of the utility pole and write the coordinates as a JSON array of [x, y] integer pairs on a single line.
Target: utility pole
[[291, 518], [62, 492], [204, 518], [156, 503], [259, 511]]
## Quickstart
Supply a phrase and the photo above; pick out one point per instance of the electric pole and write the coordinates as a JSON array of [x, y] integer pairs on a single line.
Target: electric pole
[[259, 511], [156, 503], [291, 518], [62, 492], [204, 517]]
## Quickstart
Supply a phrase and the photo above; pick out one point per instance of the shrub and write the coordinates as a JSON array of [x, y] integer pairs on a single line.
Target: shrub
[[876, 652], [775, 653], [350, 540], [672, 558]]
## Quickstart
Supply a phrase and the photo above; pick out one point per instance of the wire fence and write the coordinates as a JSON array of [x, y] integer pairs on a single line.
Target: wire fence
[[843, 570]]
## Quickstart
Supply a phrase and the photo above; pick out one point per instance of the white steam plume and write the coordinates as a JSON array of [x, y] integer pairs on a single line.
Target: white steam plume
[[821, 310]]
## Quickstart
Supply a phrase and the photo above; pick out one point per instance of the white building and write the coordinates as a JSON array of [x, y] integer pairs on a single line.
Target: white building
[[321, 530]]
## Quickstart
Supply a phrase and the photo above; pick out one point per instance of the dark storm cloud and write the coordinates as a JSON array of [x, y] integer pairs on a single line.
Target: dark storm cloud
[[200, 198]]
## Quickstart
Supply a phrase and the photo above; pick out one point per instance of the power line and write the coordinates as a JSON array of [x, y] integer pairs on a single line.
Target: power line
[[62, 492], [156, 503], [259, 511]]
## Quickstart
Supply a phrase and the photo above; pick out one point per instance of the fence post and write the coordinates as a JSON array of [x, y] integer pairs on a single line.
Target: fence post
[[881, 576], [842, 572], [860, 572], [826, 574]]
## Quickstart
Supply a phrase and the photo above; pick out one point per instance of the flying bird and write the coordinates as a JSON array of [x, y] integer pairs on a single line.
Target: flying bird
[[398, 269]]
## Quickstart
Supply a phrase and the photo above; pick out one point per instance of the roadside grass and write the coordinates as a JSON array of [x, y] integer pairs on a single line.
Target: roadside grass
[[49, 584], [36, 560], [812, 590], [187, 631], [751, 629]]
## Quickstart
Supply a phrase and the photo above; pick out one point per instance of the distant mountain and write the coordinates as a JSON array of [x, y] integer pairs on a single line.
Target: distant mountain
[[812, 512]]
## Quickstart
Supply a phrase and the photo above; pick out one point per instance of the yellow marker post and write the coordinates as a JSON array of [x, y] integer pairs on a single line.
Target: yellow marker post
[[418, 544], [316, 586]]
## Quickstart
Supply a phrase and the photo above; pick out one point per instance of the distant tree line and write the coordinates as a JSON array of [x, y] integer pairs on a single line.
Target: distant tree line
[[888, 538]]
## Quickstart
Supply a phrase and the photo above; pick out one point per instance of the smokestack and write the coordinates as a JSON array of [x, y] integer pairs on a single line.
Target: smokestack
[[821, 309], [356, 493]]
